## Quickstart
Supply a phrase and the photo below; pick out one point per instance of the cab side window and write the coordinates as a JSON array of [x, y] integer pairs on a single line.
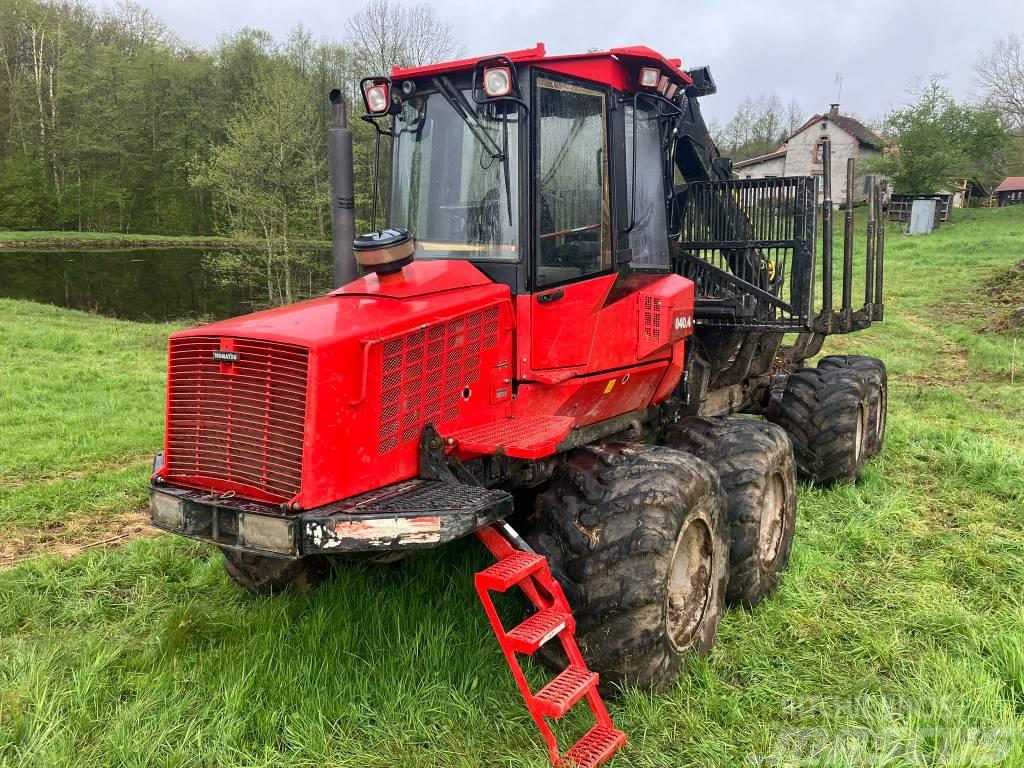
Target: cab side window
[[574, 228], [648, 239]]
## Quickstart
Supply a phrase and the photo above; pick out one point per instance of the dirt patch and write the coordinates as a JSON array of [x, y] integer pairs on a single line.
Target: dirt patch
[[1005, 293], [108, 466], [70, 538]]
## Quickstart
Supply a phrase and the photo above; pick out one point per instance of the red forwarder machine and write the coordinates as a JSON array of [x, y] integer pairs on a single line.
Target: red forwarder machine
[[570, 306]]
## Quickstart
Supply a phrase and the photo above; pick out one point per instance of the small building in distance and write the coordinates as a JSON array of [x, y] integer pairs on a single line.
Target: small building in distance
[[801, 154], [970, 194], [1010, 192]]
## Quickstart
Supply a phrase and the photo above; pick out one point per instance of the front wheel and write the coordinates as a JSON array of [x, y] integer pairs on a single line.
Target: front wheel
[[263, 575], [638, 538]]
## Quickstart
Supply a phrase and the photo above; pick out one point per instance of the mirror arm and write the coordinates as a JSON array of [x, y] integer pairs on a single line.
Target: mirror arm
[[376, 167]]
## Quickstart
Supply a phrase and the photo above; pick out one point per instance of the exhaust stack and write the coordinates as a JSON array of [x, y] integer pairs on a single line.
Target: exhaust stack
[[343, 209]]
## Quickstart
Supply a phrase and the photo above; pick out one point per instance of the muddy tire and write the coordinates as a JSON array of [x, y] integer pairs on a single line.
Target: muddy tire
[[271, 575], [872, 369], [824, 412], [637, 536], [755, 464]]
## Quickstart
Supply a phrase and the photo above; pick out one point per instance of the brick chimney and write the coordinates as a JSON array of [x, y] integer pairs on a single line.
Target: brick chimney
[[833, 110]]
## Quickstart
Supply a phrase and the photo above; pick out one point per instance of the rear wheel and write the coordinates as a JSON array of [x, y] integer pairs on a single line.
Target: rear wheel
[[872, 369], [825, 414], [637, 536], [263, 575], [754, 461]]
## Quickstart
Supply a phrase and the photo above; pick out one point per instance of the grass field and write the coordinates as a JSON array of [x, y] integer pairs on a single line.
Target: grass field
[[54, 239], [896, 639]]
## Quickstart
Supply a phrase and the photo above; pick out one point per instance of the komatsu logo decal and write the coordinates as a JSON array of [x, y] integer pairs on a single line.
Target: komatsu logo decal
[[225, 356]]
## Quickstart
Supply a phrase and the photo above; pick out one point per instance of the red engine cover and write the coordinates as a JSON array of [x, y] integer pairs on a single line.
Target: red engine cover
[[326, 399]]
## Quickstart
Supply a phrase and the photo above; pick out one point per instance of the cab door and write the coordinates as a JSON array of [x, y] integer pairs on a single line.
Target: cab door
[[573, 266]]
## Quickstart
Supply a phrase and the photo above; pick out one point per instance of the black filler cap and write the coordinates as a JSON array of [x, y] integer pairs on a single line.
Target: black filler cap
[[385, 251]]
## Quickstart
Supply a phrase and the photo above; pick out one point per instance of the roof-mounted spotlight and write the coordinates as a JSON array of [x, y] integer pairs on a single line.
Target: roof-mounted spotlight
[[497, 81], [649, 77], [376, 95]]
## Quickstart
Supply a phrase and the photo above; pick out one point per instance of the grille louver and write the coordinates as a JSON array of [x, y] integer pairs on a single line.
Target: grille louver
[[238, 425], [424, 372]]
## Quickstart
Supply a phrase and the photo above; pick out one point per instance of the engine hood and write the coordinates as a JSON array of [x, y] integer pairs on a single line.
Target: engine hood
[[365, 308], [326, 399], [418, 279]]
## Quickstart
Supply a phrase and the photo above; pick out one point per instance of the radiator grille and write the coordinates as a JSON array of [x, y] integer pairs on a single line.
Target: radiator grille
[[423, 374], [238, 424]]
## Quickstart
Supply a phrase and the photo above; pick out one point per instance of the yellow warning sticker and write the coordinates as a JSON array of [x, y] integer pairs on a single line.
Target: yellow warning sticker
[[610, 386]]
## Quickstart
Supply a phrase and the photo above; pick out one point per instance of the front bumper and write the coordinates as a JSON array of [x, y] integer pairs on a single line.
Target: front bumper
[[414, 514]]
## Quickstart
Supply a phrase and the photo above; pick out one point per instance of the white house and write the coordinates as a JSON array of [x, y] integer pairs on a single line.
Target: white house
[[801, 154]]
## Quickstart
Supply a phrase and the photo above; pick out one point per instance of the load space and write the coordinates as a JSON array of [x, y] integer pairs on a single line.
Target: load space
[[577, 337]]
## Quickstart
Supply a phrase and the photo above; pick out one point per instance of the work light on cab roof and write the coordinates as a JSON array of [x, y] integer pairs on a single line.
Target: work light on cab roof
[[497, 81], [376, 95]]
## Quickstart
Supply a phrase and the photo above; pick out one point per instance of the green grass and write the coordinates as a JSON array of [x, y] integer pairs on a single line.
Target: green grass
[[896, 639], [78, 392]]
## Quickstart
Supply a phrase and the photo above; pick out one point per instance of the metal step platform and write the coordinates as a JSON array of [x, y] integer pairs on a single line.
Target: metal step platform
[[522, 438], [551, 620]]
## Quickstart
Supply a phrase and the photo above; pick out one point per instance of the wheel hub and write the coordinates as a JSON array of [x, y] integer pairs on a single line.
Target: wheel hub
[[881, 416], [858, 440], [689, 583], [773, 521]]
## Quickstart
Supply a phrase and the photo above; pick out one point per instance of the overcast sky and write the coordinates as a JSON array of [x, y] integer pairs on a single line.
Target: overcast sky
[[791, 47]]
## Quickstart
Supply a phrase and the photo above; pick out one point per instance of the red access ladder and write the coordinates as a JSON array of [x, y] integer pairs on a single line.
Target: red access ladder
[[553, 618]]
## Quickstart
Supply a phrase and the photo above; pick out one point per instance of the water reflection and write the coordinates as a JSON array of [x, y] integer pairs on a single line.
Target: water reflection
[[156, 284]]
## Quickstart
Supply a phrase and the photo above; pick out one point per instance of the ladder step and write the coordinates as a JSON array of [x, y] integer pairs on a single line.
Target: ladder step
[[510, 570], [594, 749], [537, 630], [558, 697]]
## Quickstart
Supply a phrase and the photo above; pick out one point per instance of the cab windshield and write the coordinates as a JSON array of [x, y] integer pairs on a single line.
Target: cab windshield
[[449, 186]]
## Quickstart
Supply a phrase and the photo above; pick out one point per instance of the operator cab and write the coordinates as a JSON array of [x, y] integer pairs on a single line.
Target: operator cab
[[523, 164]]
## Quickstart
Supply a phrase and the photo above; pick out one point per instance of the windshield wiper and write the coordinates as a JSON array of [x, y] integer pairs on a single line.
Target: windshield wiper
[[468, 115], [463, 109]]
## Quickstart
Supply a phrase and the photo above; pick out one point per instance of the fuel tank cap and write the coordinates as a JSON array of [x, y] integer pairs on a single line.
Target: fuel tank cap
[[385, 251]]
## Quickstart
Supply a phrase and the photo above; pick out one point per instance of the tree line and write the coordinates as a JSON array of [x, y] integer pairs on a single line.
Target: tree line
[[108, 122]]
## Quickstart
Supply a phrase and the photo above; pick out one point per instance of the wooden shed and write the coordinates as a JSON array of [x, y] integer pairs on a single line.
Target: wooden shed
[[1010, 192]]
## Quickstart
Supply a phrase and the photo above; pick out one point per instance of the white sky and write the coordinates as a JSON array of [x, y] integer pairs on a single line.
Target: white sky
[[791, 47]]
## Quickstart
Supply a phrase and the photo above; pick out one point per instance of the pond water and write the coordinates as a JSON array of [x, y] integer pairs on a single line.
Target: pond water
[[158, 284]]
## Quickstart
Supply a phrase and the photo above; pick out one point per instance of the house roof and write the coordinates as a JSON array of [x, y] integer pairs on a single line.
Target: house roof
[[1011, 184], [851, 125], [760, 158]]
